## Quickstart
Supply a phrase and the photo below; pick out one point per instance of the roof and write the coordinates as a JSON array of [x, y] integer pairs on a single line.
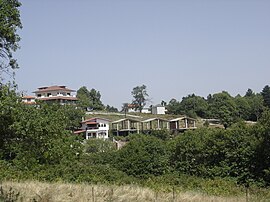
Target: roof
[[153, 119], [28, 97], [79, 131], [132, 106], [93, 120], [57, 98], [53, 88], [182, 118], [125, 119]]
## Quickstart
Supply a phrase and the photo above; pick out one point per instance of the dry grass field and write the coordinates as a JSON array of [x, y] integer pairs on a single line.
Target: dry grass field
[[56, 192]]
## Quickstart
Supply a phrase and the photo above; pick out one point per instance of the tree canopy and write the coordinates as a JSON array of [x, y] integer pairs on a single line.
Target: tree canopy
[[140, 97], [223, 106], [10, 22], [89, 100], [266, 96]]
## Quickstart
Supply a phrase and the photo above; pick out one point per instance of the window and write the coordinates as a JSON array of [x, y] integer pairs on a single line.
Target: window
[[48, 94], [39, 95]]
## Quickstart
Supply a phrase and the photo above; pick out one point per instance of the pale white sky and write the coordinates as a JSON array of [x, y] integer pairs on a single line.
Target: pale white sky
[[174, 47]]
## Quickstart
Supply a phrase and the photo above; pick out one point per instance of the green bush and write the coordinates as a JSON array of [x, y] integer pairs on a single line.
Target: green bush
[[142, 157]]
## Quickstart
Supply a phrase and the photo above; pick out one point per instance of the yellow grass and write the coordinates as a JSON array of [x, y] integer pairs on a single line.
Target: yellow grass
[[56, 192]]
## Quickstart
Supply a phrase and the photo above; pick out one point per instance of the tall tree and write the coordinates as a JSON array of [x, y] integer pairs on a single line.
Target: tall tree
[[140, 95], [9, 23], [95, 98], [89, 99], [249, 93], [242, 107], [223, 107], [266, 96], [174, 107], [256, 106], [194, 105]]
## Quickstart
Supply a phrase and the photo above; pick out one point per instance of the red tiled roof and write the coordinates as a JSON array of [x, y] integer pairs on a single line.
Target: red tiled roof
[[93, 120], [132, 106], [79, 131], [28, 97], [53, 88], [57, 98]]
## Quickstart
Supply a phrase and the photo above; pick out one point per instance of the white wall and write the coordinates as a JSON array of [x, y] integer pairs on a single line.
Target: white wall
[[158, 110]]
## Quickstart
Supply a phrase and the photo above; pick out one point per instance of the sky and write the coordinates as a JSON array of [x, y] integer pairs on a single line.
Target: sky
[[174, 47]]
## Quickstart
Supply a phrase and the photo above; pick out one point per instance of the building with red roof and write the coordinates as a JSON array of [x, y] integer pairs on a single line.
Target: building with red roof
[[59, 94], [30, 100], [94, 128]]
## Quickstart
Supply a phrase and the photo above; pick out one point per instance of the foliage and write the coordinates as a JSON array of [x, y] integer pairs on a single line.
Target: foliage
[[140, 95], [161, 134], [142, 157], [262, 152], [9, 102], [223, 107], [89, 100], [266, 96], [243, 108], [10, 22], [109, 108], [98, 146], [41, 136], [217, 153], [255, 102], [72, 115], [174, 107], [193, 106]]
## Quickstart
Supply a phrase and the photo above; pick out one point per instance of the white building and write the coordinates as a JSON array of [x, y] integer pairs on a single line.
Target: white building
[[30, 100], [132, 108], [59, 94], [95, 128], [158, 109], [146, 111]]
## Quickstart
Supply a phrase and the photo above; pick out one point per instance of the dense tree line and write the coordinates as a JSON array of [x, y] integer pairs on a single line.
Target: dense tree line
[[223, 106]]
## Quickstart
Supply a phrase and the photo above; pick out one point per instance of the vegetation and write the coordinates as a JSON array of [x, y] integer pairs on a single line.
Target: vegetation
[[10, 22], [109, 108], [37, 142], [140, 95], [40, 191], [89, 100], [223, 106]]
